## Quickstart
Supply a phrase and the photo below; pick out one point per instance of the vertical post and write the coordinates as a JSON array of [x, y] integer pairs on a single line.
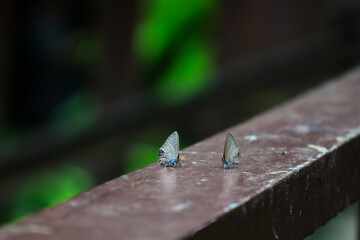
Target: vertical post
[[116, 27], [4, 9]]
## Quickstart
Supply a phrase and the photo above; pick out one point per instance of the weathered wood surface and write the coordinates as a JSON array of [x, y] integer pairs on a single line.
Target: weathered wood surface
[[300, 167]]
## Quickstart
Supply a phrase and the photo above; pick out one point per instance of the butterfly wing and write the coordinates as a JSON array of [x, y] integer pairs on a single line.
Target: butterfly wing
[[231, 150], [170, 149]]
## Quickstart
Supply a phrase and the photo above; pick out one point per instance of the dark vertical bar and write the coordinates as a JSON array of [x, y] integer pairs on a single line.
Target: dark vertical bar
[[116, 28], [4, 11]]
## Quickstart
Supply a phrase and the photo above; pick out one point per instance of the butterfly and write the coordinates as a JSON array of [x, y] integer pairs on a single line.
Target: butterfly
[[169, 151], [232, 153]]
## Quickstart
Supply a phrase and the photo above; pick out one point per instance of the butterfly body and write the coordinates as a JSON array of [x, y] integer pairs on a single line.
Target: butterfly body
[[173, 163], [232, 152], [227, 162], [169, 151]]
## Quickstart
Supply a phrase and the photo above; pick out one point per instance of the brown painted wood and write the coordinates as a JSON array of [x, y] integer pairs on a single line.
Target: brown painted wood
[[300, 167]]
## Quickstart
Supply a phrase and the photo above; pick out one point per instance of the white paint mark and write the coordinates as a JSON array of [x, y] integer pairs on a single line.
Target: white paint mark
[[340, 139], [181, 206], [125, 177], [194, 162], [318, 148], [302, 128], [231, 206], [74, 203], [203, 179], [276, 172], [251, 138]]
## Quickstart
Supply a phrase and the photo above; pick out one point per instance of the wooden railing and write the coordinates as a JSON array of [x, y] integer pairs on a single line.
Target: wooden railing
[[300, 167]]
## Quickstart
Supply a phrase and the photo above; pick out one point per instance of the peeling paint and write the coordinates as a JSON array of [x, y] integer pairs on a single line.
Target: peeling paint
[[125, 177], [318, 148], [230, 207], [340, 139], [74, 203], [277, 172]]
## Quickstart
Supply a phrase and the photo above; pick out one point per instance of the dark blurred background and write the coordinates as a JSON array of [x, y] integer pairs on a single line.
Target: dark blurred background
[[90, 89]]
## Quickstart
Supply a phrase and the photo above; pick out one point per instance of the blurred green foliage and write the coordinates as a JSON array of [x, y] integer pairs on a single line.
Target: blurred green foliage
[[48, 189], [162, 20], [176, 32], [139, 155], [144, 149], [189, 75]]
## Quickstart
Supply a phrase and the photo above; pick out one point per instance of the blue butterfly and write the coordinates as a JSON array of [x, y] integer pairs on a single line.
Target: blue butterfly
[[232, 152], [169, 151]]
